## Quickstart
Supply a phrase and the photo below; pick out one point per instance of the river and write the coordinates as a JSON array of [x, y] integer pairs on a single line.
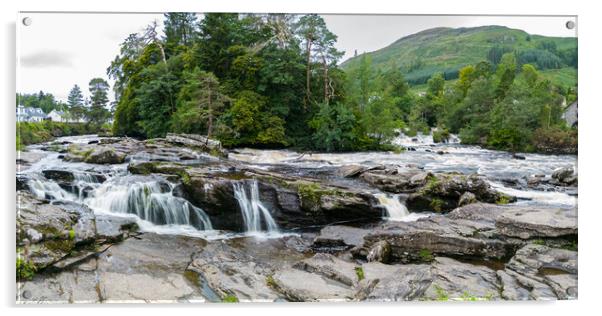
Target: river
[[156, 206]]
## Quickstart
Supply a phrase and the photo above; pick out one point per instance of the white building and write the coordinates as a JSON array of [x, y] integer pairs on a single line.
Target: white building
[[27, 114], [58, 116]]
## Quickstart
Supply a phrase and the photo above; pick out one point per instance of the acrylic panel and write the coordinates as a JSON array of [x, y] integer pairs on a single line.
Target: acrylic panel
[[224, 157]]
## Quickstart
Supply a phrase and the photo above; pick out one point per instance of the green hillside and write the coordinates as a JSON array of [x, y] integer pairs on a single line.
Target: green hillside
[[447, 50]]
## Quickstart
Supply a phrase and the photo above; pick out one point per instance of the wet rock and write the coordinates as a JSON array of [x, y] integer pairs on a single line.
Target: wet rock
[[518, 157], [105, 155], [467, 198], [565, 176], [531, 222], [26, 158], [350, 171], [197, 142], [390, 180], [22, 182], [59, 175], [380, 252], [113, 228], [443, 191]]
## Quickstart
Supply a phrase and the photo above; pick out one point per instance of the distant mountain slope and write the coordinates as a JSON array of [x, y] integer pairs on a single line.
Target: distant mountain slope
[[447, 50]]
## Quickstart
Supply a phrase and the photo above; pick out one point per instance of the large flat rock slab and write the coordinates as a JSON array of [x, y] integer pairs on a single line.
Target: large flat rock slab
[[528, 223]]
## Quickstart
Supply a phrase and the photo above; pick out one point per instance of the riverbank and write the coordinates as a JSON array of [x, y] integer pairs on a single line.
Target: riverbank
[[39, 132], [181, 219]]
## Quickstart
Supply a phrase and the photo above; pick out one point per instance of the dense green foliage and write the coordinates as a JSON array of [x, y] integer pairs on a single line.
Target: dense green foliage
[[44, 101], [273, 80], [446, 50], [39, 132]]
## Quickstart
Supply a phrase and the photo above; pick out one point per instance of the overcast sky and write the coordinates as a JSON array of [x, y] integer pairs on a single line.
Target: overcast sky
[[59, 50]]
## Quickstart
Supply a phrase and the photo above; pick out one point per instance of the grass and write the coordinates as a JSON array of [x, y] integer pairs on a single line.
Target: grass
[[230, 298], [39, 132], [426, 255], [25, 269], [359, 271]]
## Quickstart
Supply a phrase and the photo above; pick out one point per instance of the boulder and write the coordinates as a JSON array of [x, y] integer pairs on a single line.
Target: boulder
[[198, 142], [59, 175], [391, 180], [565, 176], [380, 252], [442, 193], [105, 155], [467, 198], [350, 171]]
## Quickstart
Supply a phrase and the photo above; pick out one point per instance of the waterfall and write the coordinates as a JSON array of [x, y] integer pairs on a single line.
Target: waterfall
[[252, 209], [396, 210], [152, 201], [48, 189]]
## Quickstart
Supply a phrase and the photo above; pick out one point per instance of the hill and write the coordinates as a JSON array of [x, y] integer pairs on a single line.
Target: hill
[[447, 50]]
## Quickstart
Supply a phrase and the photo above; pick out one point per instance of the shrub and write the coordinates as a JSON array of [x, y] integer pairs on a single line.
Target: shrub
[[555, 140]]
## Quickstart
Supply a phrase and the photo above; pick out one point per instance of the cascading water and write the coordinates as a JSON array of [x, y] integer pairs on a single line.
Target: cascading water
[[152, 201], [252, 209], [396, 210]]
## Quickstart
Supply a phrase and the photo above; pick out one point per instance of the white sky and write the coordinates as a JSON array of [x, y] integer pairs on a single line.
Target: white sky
[[59, 50]]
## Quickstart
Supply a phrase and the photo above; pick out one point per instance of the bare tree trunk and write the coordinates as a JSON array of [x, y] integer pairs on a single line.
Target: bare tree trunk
[[308, 74], [325, 70], [210, 123]]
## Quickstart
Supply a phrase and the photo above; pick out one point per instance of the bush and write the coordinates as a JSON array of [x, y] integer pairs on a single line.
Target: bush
[[39, 132], [555, 140], [441, 135]]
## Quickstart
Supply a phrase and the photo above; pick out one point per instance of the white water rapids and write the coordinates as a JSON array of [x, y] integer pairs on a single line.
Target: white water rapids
[[157, 207]]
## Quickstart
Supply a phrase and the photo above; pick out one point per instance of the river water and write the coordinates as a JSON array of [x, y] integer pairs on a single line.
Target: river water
[[152, 202]]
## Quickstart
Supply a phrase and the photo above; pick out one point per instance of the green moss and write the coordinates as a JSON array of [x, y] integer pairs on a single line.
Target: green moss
[[437, 204], [426, 255], [60, 245], [359, 271], [432, 185], [311, 194], [441, 293], [230, 298], [540, 242], [502, 199], [571, 245], [269, 281], [72, 234], [25, 269]]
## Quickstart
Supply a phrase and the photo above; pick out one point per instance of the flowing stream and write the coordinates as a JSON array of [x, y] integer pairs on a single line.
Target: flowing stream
[[158, 207]]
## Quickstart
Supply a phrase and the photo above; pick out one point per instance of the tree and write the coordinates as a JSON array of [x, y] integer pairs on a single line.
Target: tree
[[505, 73], [201, 101], [98, 114], [334, 127], [75, 101], [180, 31], [318, 42]]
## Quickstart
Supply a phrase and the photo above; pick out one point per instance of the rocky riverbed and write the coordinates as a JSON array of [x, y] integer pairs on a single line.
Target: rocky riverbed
[[180, 219]]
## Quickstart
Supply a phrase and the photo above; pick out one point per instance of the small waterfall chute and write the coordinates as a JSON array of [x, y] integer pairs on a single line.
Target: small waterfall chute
[[254, 213], [152, 201], [396, 210]]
